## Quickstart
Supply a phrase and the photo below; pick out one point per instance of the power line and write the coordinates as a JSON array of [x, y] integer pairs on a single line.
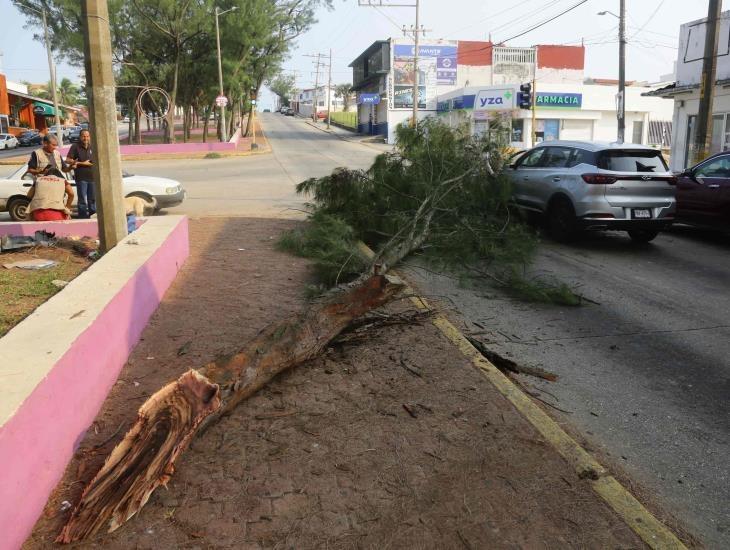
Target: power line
[[490, 17], [545, 22], [661, 3]]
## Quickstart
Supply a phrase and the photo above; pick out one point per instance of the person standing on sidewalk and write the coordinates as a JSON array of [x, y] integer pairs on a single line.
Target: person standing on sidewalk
[[45, 157], [79, 158]]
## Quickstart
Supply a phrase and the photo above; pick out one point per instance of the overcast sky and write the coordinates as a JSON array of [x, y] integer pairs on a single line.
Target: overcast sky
[[653, 27]]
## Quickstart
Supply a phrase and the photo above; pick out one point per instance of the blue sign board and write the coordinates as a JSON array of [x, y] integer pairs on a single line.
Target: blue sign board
[[444, 56], [559, 100], [368, 99]]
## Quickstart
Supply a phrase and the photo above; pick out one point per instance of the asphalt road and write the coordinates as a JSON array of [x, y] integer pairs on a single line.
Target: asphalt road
[[644, 372], [261, 185]]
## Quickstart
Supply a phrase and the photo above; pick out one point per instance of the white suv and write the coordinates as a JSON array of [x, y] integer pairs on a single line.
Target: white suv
[[583, 185]]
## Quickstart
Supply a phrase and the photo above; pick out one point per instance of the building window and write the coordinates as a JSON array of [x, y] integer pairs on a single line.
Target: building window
[[547, 130], [518, 127]]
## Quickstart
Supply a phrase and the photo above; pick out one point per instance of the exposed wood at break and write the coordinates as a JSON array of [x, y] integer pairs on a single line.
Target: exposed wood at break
[[504, 364], [169, 419]]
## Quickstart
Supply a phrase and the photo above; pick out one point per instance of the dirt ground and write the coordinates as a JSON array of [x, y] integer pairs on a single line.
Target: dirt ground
[[23, 290], [328, 455]]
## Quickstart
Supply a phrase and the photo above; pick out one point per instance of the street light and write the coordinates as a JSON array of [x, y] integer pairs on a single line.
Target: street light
[[52, 70], [621, 111], [218, 13]]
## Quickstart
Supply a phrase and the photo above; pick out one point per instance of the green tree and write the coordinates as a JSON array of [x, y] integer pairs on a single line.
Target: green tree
[[68, 92], [283, 86], [345, 92]]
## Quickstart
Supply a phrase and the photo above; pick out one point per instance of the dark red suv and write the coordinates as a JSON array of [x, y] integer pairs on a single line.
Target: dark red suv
[[703, 193]]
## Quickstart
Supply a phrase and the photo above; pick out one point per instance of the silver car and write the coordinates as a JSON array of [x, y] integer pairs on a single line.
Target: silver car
[[584, 185]]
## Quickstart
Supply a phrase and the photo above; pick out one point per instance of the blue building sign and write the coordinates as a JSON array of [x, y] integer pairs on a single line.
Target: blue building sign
[[559, 100], [368, 99]]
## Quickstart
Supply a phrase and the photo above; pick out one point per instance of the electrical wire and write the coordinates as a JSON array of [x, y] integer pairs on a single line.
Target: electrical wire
[[546, 21], [491, 16], [653, 14]]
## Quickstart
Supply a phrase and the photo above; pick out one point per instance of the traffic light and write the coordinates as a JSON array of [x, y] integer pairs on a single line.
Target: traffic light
[[525, 96]]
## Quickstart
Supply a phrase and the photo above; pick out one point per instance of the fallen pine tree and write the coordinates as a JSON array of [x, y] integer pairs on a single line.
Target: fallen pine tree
[[441, 193]]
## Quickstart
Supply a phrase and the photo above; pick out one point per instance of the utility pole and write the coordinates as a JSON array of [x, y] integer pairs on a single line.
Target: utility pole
[[534, 108], [316, 92], [703, 136], [417, 31], [621, 115], [329, 93], [218, 13], [100, 91]]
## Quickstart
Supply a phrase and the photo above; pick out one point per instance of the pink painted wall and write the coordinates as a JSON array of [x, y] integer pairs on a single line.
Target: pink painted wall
[[39, 441]]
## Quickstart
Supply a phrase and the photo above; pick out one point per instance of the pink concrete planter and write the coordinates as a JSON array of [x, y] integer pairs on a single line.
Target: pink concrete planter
[[58, 365]]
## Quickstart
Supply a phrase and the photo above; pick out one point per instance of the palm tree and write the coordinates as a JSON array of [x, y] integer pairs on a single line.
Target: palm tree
[[68, 92]]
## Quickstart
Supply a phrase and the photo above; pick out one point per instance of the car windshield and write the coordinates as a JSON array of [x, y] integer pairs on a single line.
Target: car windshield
[[632, 161]]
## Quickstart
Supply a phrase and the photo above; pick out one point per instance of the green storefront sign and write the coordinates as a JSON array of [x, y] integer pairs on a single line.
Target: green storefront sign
[[559, 100]]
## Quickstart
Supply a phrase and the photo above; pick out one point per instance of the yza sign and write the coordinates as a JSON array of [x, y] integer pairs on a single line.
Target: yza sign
[[497, 99]]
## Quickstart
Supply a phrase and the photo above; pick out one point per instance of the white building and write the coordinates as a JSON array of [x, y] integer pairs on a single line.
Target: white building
[[453, 73], [686, 90], [305, 99], [563, 111]]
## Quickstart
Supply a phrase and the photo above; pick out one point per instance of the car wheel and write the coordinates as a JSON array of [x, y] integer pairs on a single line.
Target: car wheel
[[18, 209], [643, 236], [561, 224]]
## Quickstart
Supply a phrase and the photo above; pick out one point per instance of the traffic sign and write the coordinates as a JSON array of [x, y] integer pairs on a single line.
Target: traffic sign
[[221, 101]]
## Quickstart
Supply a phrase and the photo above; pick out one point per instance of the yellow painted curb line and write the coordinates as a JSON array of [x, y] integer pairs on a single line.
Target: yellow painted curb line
[[654, 533]]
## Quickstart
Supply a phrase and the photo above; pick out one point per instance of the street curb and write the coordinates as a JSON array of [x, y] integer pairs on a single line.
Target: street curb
[[653, 532], [338, 136]]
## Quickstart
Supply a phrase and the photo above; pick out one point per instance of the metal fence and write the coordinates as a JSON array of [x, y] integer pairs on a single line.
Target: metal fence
[[660, 133], [349, 120]]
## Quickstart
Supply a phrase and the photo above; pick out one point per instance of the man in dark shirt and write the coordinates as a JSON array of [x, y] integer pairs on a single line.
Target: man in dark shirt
[[79, 158]]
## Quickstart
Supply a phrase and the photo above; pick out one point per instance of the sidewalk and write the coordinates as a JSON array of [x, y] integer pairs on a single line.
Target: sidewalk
[[396, 441]]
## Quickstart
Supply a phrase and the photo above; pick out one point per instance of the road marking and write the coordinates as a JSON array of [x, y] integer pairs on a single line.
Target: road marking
[[654, 533]]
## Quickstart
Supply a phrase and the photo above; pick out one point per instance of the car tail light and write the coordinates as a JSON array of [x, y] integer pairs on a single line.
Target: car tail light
[[599, 179]]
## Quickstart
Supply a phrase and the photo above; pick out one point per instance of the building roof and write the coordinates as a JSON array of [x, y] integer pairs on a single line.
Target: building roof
[[369, 50], [42, 100], [673, 89]]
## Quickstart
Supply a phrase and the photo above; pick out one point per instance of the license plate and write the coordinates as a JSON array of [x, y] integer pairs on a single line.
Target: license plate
[[641, 214]]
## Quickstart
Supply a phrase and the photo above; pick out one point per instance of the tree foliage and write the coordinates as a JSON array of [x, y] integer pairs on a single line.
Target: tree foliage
[[171, 44], [441, 193], [344, 91], [283, 86]]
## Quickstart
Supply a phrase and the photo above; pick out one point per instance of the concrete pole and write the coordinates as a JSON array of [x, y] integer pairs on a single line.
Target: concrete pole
[[100, 91], [703, 136], [316, 85], [533, 115], [621, 114], [329, 93], [417, 43], [220, 75], [54, 91]]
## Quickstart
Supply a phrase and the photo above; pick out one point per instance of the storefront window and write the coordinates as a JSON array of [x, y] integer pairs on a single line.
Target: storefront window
[[547, 130], [518, 126]]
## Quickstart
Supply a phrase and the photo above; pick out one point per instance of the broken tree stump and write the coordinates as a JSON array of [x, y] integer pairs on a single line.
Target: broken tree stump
[[171, 417]]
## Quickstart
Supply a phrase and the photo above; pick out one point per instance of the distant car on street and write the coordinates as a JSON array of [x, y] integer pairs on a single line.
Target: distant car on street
[[584, 185], [8, 141], [74, 134], [267, 110], [29, 138], [162, 192], [289, 112], [703, 193]]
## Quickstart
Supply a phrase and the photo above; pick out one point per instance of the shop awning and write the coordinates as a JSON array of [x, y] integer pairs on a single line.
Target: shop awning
[[43, 109]]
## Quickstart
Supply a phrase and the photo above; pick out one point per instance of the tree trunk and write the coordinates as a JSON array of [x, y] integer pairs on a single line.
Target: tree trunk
[[170, 418], [206, 116], [170, 129], [185, 125]]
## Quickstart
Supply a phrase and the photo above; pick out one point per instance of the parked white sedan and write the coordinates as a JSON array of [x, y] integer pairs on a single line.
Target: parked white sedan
[[8, 141], [162, 192]]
